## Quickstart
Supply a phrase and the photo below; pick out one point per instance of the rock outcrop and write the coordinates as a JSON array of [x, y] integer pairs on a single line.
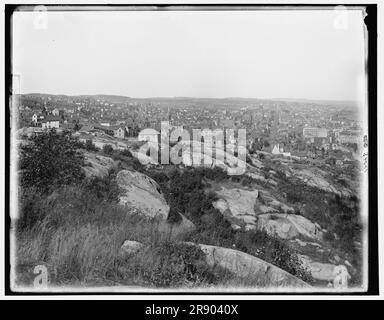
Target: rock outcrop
[[318, 178], [97, 165], [288, 226], [246, 266], [242, 207], [256, 162], [175, 229], [129, 248], [143, 193], [319, 271], [237, 203]]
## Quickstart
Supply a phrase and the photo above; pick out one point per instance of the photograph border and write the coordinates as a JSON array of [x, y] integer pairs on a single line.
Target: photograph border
[[371, 24]]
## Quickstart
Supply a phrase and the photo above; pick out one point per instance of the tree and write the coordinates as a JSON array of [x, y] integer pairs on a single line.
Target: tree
[[50, 159], [108, 149], [77, 126], [126, 153], [90, 146]]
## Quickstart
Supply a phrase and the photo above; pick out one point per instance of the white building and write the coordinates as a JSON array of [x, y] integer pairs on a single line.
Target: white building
[[120, 132], [37, 118], [34, 118], [309, 132], [50, 122], [280, 150]]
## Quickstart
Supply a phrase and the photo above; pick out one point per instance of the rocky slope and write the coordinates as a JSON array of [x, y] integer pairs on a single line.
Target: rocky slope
[[97, 165], [257, 205], [143, 193], [289, 226], [244, 208], [243, 266], [249, 267]]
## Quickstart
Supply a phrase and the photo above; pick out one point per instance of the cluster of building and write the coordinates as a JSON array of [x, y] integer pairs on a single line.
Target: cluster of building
[[282, 128], [49, 120]]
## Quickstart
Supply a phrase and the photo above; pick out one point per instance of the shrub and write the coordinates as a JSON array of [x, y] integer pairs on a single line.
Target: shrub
[[126, 153], [108, 149], [279, 254], [255, 242], [90, 146], [103, 188], [173, 216], [50, 160], [185, 193], [69, 202], [173, 265], [345, 222], [126, 161]]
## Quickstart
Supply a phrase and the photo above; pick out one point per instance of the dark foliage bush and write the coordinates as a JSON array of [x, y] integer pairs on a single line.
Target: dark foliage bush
[[173, 265], [339, 215], [345, 222], [185, 190], [103, 188], [108, 149], [90, 146], [126, 153], [51, 166], [127, 161], [185, 193], [50, 160], [173, 216]]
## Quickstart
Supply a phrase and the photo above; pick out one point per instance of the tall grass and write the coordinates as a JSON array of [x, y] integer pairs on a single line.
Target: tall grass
[[79, 240]]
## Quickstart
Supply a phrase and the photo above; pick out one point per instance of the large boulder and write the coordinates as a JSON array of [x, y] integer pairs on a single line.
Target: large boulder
[[317, 178], [243, 206], [173, 230], [96, 165], [237, 203], [320, 271], [256, 162], [255, 176], [275, 204], [250, 267], [142, 193], [288, 226], [129, 248]]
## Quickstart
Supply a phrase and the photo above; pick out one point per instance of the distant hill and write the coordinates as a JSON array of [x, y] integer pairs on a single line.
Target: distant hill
[[121, 99], [330, 102], [108, 97]]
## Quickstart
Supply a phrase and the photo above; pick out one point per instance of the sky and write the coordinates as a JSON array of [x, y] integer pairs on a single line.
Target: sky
[[304, 54]]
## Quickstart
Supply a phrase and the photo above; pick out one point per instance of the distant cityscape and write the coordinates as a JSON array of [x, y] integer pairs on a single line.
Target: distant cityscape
[[315, 131]]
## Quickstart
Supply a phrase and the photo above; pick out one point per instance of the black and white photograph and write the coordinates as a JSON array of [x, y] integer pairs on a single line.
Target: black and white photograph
[[195, 149]]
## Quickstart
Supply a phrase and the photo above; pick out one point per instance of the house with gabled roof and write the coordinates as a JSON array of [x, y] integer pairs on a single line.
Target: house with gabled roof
[[37, 118], [120, 132], [51, 122]]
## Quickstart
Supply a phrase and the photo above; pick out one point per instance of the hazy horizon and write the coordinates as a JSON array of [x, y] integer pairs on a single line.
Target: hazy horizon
[[183, 97], [267, 55]]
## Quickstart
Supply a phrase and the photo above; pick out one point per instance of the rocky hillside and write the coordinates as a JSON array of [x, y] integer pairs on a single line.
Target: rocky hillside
[[260, 200], [281, 224]]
